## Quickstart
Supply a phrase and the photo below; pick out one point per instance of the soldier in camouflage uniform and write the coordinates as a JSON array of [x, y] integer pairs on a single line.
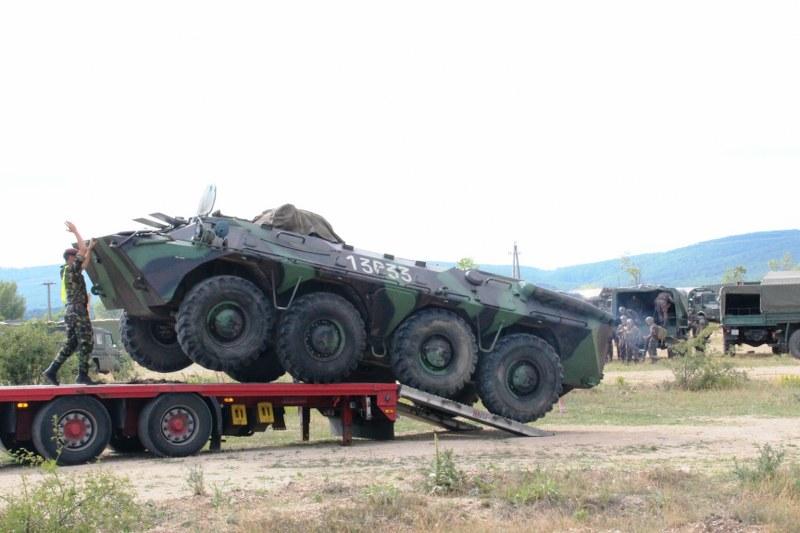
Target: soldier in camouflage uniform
[[654, 338], [663, 302], [633, 340], [76, 316]]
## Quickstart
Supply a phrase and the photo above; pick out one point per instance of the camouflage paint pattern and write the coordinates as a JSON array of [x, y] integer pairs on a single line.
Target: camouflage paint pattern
[[146, 273]]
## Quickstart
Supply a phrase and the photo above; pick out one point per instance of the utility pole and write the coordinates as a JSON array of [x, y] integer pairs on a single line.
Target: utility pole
[[49, 307], [515, 273]]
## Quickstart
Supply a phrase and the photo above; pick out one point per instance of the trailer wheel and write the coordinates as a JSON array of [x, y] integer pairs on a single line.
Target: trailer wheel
[[321, 338], [126, 444], [224, 323], [521, 378], [435, 351], [152, 343], [71, 429], [175, 425], [265, 369], [794, 344]]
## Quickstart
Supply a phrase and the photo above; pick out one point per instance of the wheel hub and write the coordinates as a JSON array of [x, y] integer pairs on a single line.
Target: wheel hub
[[76, 430], [324, 338], [436, 353], [523, 378], [226, 322], [178, 425], [164, 333]]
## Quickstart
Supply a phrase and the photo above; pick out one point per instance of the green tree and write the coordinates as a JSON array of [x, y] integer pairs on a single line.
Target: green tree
[[26, 350], [787, 262], [734, 275], [632, 269], [12, 305], [466, 263]]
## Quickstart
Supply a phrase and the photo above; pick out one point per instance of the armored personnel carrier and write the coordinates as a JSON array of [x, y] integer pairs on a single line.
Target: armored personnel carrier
[[284, 293]]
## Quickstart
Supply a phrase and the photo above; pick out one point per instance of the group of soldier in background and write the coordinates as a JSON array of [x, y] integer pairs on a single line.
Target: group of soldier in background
[[631, 345]]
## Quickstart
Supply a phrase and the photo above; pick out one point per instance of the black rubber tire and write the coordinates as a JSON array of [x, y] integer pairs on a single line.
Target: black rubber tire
[[126, 444], [265, 369], [728, 348], [452, 334], [794, 344], [196, 416], [468, 395], [372, 374], [148, 343], [306, 362], [248, 304], [494, 371], [85, 411]]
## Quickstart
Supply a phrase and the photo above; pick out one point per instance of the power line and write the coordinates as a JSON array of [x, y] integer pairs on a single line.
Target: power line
[[49, 307]]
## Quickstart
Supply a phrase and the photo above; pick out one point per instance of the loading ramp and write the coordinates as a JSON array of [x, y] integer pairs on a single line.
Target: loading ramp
[[446, 413]]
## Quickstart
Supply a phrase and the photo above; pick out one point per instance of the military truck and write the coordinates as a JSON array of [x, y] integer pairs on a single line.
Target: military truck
[[642, 300], [704, 302], [763, 314], [282, 292]]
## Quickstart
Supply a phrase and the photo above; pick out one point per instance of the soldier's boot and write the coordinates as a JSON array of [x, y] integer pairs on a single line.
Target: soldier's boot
[[50, 375], [84, 379]]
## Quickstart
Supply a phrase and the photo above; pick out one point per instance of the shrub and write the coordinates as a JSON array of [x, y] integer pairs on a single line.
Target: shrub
[[99, 502], [766, 466], [196, 482], [25, 351], [532, 487], [444, 477], [701, 372]]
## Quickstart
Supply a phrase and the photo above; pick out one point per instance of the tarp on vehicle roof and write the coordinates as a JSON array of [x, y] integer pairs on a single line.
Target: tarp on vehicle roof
[[774, 298], [289, 218]]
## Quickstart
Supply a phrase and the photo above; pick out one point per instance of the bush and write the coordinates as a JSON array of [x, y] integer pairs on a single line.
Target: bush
[[444, 477], [702, 372], [25, 351], [100, 502], [766, 466]]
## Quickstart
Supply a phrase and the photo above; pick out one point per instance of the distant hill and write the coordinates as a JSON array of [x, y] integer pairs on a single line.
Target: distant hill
[[691, 266], [699, 264]]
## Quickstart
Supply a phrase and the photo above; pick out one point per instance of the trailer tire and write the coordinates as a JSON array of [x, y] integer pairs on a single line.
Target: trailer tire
[[321, 338], [150, 343], [265, 369], [71, 429], [224, 323], [794, 344], [175, 425], [435, 351], [521, 378], [126, 444]]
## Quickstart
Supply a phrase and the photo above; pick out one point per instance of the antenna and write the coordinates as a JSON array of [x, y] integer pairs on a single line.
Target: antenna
[[515, 273]]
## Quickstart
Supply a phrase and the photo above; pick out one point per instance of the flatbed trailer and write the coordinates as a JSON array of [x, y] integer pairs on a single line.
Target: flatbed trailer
[[74, 423]]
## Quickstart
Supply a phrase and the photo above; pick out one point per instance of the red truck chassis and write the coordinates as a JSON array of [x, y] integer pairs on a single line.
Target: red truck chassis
[[74, 423]]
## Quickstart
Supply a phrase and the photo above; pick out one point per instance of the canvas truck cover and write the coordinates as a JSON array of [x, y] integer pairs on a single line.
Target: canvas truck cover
[[289, 218], [774, 298]]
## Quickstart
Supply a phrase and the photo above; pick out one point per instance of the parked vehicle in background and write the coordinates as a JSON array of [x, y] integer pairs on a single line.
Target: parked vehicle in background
[[763, 314]]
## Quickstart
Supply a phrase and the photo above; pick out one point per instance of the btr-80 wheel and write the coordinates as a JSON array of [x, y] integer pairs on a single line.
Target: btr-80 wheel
[[152, 343], [434, 350], [224, 323], [321, 338], [265, 369], [521, 378]]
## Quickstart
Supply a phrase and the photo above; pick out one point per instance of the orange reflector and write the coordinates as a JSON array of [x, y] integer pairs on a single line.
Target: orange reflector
[[227, 400], [22, 405]]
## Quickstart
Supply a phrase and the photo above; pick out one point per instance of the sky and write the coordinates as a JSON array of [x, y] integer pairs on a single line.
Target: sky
[[582, 130]]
